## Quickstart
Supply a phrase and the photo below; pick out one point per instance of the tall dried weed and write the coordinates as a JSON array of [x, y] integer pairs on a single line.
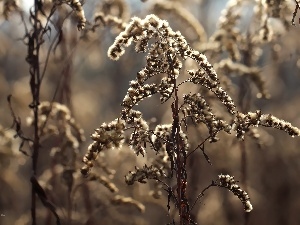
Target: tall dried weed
[[191, 118]]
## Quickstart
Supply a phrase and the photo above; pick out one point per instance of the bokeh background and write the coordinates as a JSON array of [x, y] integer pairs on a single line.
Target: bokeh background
[[81, 76]]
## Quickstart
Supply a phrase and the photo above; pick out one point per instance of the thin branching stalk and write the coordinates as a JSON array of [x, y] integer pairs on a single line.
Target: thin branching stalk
[[35, 83], [165, 56], [181, 174]]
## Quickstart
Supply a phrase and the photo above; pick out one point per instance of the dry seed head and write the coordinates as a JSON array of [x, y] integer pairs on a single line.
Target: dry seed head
[[110, 135], [229, 17], [228, 182], [59, 122], [122, 200], [269, 120], [203, 63], [137, 140], [274, 19], [137, 93], [166, 88], [199, 77], [253, 72], [118, 8], [108, 20], [104, 181], [265, 33], [242, 123], [211, 83], [140, 135], [107, 136], [228, 35], [196, 107], [140, 175], [9, 144], [162, 162], [161, 136], [139, 31], [77, 7], [162, 58], [10, 6], [180, 12], [225, 99]]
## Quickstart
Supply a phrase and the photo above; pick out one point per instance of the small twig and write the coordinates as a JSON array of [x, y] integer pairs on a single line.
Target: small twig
[[43, 197], [213, 183], [199, 146], [295, 12], [18, 127]]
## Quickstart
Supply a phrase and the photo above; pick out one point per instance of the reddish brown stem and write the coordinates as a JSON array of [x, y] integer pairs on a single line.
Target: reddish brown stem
[[180, 161], [33, 60]]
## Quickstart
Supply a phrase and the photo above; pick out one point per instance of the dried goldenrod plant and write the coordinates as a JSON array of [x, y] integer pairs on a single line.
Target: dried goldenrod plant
[[166, 50], [34, 38], [199, 109]]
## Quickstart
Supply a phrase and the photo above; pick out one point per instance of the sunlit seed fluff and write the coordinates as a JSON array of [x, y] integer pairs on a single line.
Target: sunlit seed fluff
[[161, 131], [153, 20], [76, 5], [248, 206], [228, 182]]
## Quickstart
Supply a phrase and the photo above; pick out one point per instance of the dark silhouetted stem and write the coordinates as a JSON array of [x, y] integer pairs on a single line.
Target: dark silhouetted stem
[[33, 60]]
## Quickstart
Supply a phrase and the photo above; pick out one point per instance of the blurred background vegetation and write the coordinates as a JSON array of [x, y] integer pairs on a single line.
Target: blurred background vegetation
[[80, 75]]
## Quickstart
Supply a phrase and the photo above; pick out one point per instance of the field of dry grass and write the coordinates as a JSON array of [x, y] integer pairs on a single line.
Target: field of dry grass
[[150, 112]]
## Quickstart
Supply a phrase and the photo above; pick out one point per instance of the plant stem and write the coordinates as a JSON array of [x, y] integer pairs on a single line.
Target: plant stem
[[180, 160], [33, 60]]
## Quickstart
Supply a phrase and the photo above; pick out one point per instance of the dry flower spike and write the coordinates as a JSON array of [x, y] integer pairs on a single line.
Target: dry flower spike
[[165, 55]]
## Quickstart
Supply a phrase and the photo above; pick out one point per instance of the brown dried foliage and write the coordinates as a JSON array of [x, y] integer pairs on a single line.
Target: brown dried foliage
[[208, 89]]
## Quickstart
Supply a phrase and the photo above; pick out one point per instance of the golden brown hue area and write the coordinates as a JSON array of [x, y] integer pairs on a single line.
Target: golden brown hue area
[[149, 112]]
